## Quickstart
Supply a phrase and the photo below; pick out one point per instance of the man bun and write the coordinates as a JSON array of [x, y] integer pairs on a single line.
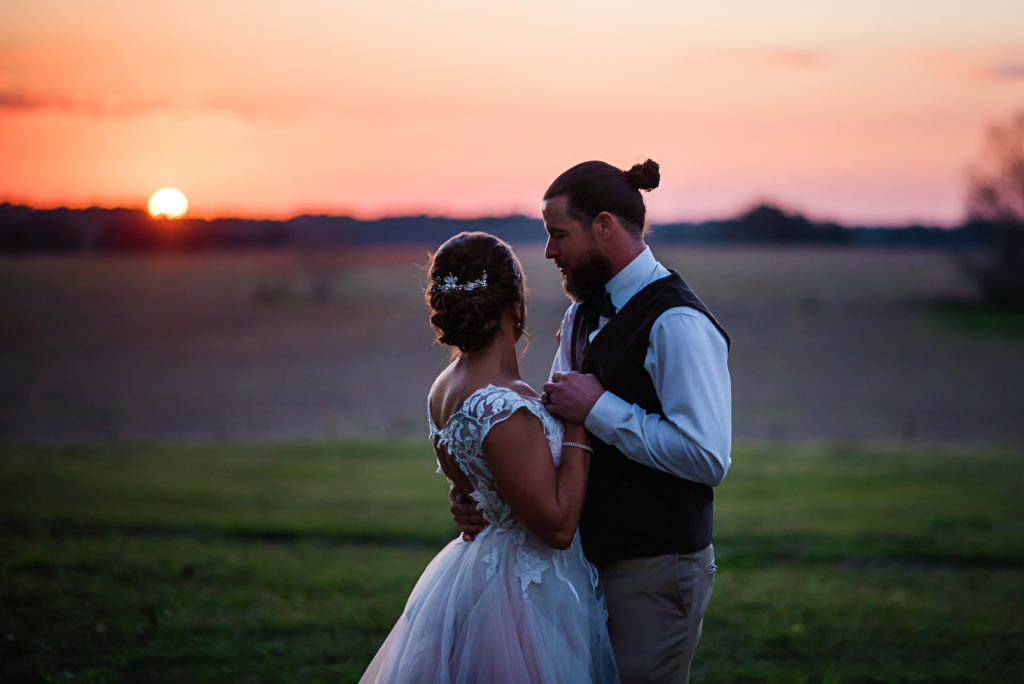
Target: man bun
[[645, 176], [592, 187]]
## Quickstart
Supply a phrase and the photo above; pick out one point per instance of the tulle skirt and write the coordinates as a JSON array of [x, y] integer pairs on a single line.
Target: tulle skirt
[[502, 608]]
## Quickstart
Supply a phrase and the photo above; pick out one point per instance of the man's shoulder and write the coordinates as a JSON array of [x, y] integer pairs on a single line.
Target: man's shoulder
[[665, 291], [685, 314], [680, 323]]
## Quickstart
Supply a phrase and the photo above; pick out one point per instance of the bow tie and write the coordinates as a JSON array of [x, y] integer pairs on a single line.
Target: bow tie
[[595, 307]]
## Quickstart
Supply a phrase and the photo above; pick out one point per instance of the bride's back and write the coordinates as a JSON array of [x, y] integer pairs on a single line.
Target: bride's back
[[448, 396]]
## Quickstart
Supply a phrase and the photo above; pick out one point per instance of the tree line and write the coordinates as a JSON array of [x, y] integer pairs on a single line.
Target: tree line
[[26, 230]]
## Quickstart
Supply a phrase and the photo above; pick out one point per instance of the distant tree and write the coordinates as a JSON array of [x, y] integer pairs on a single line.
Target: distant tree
[[995, 210], [768, 223]]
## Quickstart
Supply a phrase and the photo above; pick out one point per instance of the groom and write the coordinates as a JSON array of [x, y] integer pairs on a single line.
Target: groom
[[643, 364]]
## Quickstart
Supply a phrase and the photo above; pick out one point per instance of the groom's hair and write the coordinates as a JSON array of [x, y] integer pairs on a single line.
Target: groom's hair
[[596, 186]]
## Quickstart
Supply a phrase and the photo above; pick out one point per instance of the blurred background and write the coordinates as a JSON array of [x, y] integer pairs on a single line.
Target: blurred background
[[215, 355], [830, 343], [835, 181]]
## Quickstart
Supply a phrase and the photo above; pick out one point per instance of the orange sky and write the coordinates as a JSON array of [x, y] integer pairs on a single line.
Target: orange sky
[[870, 112]]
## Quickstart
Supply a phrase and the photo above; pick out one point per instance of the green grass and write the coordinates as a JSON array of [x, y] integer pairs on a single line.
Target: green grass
[[281, 563], [354, 492], [980, 320]]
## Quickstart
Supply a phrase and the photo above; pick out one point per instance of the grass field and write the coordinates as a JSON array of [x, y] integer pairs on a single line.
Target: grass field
[[213, 516], [280, 563]]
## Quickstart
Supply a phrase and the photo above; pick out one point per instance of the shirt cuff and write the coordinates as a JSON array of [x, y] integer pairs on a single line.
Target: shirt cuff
[[606, 415]]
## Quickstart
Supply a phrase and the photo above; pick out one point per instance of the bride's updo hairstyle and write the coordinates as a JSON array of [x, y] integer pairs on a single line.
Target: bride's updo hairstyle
[[473, 277], [596, 186]]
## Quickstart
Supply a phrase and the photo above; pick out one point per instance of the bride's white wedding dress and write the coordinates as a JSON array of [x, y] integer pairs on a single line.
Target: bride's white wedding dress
[[504, 607]]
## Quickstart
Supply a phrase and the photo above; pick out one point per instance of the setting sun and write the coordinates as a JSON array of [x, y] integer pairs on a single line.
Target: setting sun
[[169, 203]]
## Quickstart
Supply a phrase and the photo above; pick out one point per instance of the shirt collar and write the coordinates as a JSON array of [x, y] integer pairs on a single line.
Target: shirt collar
[[632, 278]]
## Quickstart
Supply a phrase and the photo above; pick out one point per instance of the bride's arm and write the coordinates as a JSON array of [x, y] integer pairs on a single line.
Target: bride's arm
[[547, 501]]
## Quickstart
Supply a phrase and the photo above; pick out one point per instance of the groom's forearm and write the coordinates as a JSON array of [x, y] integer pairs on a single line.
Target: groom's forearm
[[687, 362], [656, 442], [465, 514]]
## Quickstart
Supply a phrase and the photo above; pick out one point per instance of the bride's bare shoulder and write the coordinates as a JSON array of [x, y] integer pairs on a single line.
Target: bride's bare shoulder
[[524, 389], [440, 394], [449, 390]]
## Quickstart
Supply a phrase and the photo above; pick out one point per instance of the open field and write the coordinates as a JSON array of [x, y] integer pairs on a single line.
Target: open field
[[244, 492], [290, 562], [828, 345]]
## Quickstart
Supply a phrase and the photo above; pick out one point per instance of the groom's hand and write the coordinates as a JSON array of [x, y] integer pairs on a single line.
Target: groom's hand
[[572, 395], [467, 518]]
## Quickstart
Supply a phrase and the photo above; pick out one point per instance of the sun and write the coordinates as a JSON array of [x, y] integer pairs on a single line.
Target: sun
[[169, 203]]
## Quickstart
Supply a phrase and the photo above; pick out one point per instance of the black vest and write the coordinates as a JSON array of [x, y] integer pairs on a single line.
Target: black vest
[[633, 511]]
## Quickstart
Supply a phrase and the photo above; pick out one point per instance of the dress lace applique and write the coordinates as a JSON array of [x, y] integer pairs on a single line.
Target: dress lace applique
[[529, 568], [572, 589], [491, 560], [463, 435]]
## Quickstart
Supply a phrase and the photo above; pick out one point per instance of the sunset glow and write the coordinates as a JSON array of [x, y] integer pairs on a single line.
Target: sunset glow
[[866, 112], [168, 203]]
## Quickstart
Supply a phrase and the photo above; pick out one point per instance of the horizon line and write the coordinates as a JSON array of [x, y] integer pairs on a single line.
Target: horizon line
[[284, 217]]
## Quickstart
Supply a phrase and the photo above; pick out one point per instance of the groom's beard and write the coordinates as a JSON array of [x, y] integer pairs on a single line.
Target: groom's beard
[[587, 279]]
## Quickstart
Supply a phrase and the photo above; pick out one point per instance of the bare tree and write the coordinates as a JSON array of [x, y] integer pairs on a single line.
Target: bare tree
[[995, 207]]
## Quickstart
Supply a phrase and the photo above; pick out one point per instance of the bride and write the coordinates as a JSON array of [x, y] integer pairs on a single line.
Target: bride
[[520, 603]]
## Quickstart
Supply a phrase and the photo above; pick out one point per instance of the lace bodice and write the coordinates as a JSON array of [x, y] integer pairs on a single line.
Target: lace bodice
[[463, 436]]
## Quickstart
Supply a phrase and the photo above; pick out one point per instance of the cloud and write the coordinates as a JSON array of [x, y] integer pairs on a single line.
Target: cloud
[[18, 101], [270, 107], [1008, 71], [240, 107], [796, 57]]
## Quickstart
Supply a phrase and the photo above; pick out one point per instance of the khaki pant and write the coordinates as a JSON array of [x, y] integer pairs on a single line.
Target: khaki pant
[[655, 612]]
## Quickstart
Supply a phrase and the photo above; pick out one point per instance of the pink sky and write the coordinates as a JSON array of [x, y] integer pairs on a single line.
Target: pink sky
[[869, 112]]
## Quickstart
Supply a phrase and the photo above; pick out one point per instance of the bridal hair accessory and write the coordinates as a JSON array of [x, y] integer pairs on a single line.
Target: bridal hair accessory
[[451, 282]]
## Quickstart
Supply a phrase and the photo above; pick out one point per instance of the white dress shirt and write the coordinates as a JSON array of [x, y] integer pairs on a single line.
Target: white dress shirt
[[687, 359]]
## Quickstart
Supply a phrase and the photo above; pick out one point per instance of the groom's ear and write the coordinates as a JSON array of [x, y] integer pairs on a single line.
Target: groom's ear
[[604, 226]]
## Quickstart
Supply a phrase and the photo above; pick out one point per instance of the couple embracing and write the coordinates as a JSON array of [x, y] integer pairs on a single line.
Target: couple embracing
[[586, 510]]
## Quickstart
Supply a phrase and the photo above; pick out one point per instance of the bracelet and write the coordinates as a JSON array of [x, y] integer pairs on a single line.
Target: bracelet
[[589, 450]]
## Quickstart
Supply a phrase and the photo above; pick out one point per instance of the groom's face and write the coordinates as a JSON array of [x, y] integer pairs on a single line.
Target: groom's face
[[572, 247]]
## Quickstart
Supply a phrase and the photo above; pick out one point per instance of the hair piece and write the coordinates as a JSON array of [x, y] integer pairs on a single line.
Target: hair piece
[[451, 282]]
